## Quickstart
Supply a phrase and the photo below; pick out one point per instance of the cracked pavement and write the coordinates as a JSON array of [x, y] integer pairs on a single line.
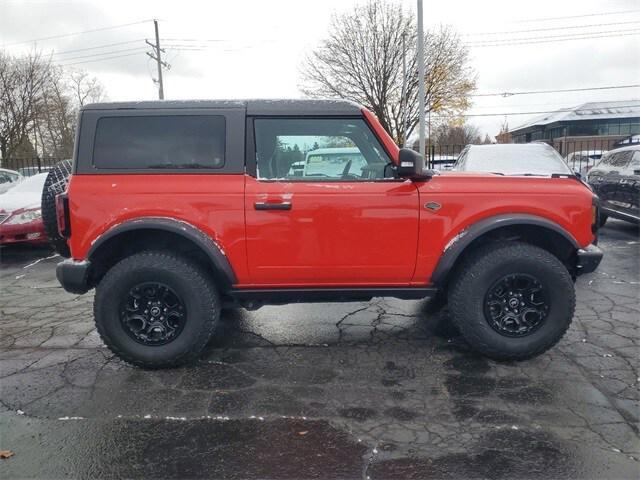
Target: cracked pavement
[[383, 389]]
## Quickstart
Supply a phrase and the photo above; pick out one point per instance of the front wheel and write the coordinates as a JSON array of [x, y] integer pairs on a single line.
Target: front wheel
[[512, 301], [156, 310]]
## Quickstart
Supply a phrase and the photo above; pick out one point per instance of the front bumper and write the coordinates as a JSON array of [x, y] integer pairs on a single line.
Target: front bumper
[[588, 259], [73, 275], [31, 232]]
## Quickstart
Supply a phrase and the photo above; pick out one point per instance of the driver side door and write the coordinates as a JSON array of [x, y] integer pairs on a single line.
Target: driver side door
[[341, 220]]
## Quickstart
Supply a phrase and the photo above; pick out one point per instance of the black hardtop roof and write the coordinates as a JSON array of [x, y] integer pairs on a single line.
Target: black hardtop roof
[[252, 107]]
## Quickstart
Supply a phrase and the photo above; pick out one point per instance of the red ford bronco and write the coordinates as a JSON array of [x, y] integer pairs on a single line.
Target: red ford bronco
[[176, 209]]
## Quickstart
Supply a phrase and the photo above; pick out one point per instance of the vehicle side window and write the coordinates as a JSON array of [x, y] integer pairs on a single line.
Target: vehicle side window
[[318, 150], [4, 178], [157, 142]]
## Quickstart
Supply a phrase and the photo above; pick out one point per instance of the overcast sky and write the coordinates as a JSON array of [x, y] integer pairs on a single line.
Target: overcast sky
[[253, 48]]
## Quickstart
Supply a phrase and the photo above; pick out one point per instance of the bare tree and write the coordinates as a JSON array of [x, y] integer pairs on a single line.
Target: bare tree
[[453, 134], [504, 136], [39, 104], [55, 122], [22, 83], [86, 89], [361, 60]]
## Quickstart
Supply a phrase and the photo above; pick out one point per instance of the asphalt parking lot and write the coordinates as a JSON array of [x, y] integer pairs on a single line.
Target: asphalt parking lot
[[365, 390]]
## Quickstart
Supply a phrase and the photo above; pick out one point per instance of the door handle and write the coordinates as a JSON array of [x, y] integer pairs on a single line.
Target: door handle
[[272, 206]]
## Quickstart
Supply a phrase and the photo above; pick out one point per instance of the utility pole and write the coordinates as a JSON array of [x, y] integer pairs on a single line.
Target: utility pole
[[158, 58], [404, 89], [420, 54]]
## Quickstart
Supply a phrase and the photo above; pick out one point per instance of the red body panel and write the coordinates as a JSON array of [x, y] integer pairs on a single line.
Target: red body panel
[[336, 233], [212, 203], [467, 199]]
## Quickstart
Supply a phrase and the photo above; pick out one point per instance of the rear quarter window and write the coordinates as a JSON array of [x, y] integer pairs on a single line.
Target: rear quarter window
[[160, 142]]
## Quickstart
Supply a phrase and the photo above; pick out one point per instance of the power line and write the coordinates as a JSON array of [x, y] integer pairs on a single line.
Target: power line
[[514, 43], [585, 89], [100, 59], [111, 52], [528, 113], [564, 27], [201, 48], [97, 47], [530, 20], [194, 40], [78, 33], [546, 37]]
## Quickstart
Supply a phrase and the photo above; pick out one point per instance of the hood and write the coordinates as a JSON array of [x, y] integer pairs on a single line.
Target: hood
[[10, 201], [27, 194]]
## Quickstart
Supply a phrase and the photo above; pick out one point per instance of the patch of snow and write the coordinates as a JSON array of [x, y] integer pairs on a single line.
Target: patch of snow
[[40, 260]]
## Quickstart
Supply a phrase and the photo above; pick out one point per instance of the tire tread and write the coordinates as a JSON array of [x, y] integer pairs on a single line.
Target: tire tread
[[198, 279], [463, 282]]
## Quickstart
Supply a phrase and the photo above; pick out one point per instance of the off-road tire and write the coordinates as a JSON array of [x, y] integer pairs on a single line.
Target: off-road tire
[[56, 183], [482, 269], [195, 288]]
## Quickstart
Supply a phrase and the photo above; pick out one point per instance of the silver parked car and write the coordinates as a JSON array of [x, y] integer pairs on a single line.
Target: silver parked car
[[527, 159]]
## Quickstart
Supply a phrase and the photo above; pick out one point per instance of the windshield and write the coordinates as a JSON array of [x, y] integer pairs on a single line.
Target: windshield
[[33, 184], [512, 159]]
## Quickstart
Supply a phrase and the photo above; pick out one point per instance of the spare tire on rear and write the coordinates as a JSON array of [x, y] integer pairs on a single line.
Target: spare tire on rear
[[56, 183]]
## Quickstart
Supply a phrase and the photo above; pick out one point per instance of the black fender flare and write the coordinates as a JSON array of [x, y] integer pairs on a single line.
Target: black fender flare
[[463, 239], [213, 251]]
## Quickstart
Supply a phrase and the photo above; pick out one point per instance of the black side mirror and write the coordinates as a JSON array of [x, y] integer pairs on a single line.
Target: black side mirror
[[412, 165]]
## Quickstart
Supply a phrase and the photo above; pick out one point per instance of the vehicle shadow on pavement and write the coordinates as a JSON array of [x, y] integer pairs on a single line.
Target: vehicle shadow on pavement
[[18, 255]]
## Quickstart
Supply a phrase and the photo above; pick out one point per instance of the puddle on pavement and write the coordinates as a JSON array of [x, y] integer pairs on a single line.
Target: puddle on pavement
[[286, 449]]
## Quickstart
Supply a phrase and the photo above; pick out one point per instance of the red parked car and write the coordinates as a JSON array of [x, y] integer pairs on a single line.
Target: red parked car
[[175, 209], [20, 213]]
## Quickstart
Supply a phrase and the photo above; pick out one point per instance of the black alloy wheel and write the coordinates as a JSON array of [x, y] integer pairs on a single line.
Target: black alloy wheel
[[516, 305], [153, 314]]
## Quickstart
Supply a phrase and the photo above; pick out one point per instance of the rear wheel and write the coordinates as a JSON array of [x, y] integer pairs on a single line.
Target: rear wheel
[[156, 310], [55, 183], [512, 301]]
